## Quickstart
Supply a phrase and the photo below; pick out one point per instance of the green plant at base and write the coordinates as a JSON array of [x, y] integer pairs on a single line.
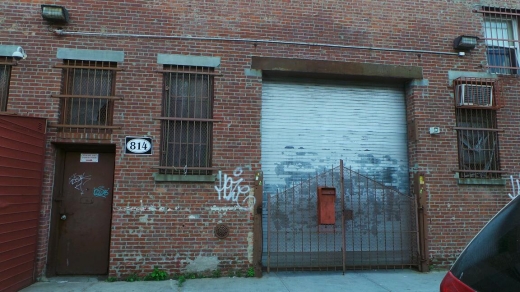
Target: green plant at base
[[216, 274], [111, 279], [156, 275], [181, 280], [132, 278], [250, 272]]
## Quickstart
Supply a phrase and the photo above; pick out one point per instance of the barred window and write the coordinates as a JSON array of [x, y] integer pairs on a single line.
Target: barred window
[[187, 120], [478, 143], [5, 76], [477, 130], [502, 41], [87, 96]]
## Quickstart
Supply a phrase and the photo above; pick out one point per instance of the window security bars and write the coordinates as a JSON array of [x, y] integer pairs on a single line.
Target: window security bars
[[88, 92], [476, 101], [478, 93], [502, 41], [477, 135], [187, 120], [5, 76]]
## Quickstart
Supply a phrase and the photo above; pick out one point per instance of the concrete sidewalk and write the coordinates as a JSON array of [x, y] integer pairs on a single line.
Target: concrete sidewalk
[[366, 281]]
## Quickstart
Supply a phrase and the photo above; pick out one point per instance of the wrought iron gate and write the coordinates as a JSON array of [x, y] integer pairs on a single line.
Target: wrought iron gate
[[375, 225]]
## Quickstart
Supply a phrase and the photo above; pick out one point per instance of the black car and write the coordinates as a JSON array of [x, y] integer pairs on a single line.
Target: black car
[[491, 261]]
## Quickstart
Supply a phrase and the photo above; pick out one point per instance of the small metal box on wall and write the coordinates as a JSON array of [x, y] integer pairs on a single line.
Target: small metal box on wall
[[326, 205]]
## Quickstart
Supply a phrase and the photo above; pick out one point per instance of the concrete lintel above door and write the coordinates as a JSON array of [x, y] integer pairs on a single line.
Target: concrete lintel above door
[[311, 68]]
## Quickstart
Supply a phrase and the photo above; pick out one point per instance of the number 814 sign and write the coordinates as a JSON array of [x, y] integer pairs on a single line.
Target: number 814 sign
[[138, 145]]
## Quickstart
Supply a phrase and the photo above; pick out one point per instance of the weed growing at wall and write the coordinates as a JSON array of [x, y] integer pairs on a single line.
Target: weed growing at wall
[[156, 275], [132, 278], [216, 274], [160, 275], [250, 272], [181, 280]]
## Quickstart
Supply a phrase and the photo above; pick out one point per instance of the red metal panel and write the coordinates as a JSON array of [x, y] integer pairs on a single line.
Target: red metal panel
[[326, 205], [22, 151]]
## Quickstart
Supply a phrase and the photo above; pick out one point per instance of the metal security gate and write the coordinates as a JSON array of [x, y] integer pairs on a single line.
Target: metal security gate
[[375, 225], [307, 127]]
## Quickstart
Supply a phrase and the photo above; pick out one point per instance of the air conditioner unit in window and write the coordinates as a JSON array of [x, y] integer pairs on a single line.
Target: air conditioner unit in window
[[474, 95]]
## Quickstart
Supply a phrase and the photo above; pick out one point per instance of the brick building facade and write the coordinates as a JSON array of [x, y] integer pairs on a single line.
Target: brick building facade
[[191, 77]]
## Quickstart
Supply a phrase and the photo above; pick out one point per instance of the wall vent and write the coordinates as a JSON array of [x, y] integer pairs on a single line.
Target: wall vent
[[221, 231]]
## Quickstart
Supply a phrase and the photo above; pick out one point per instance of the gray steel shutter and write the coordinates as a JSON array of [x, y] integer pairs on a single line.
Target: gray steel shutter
[[308, 127]]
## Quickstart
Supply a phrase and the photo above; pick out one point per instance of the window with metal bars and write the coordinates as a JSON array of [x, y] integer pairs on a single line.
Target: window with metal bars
[[477, 135], [502, 41], [87, 96], [187, 120], [476, 102], [5, 77]]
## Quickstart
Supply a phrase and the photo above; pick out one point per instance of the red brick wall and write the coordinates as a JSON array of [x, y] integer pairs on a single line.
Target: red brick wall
[[169, 239]]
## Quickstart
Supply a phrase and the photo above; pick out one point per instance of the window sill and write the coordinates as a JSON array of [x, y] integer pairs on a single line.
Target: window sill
[[482, 181], [184, 178], [512, 75]]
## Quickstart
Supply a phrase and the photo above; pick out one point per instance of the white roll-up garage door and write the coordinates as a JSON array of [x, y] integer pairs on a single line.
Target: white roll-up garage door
[[308, 126]]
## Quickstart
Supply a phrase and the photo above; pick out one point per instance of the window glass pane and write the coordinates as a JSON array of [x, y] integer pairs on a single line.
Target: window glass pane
[[477, 143], [477, 149], [187, 144], [87, 111], [186, 140], [79, 83], [188, 96], [498, 32], [502, 45], [502, 57], [91, 82]]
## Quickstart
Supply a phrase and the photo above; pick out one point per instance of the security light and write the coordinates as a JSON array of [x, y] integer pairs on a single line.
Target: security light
[[465, 42], [55, 13]]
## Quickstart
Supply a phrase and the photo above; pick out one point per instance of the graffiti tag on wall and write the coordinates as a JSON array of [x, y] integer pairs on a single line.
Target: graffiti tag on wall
[[230, 189], [78, 181], [101, 192], [516, 191]]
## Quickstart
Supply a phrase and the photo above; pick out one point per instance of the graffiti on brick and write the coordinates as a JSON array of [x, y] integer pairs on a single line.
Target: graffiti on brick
[[79, 181], [143, 208], [516, 191], [230, 189]]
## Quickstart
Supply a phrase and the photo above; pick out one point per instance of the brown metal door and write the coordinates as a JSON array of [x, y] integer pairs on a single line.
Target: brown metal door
[[85, 210]]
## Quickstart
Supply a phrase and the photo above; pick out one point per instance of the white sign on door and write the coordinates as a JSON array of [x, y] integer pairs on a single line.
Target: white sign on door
[[89, 157]]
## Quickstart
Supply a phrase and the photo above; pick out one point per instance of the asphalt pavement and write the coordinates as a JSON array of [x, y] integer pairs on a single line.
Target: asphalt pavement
[[366, 281]]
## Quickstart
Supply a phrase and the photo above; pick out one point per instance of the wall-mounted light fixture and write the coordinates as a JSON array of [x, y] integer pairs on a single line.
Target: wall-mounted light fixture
[[465, 42], [55, 13], [19, 54]]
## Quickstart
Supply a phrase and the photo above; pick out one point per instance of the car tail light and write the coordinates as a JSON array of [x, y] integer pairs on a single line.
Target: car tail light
[[450, 283]]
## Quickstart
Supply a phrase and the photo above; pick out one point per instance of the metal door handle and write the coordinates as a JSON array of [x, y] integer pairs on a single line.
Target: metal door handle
[[63, 217]]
